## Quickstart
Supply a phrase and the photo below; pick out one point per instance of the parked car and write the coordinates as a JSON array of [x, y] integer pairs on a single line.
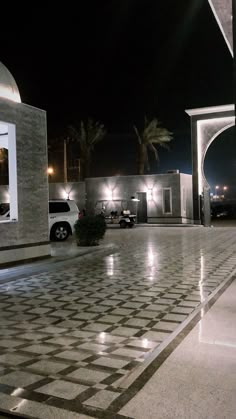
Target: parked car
[[62, 217], [222, 210]]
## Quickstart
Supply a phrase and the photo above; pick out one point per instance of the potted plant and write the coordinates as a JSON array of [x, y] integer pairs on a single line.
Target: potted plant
[[89, 230]]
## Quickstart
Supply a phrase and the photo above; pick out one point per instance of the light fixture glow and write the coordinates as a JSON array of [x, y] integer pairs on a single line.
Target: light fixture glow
[[50, 170], [149, 194]]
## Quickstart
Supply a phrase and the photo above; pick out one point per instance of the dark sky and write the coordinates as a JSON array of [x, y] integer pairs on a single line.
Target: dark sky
[[116, 61]]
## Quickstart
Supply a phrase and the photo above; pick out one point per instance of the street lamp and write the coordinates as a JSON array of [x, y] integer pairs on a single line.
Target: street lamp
[[225, 188], [216, 189]]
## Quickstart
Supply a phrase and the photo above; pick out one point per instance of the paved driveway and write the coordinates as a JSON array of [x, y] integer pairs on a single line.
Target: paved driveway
[[72, 338]]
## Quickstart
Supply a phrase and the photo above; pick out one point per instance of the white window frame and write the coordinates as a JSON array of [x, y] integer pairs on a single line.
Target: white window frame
[[163, 200], [12, 169]]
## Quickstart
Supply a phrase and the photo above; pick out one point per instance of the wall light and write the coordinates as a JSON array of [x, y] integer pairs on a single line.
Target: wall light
[[50, 170], [149, 194], [66, 195]]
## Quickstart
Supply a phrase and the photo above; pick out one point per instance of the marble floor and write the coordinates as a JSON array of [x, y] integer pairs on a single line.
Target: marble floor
[[198, 380], [72, 336]]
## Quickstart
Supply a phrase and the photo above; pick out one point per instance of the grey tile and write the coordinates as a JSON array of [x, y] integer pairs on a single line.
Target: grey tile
[[53, 329], [165, 326], [130, 353], [62, 340], [40, 349], [124, 331], [175, 317], [20, 379], [14, 359], [47, 367], [142, 343], [73, 355], [155, 336], [81, 334], [63, 389], [96, 327], [8, 343], [88, 376], [93, 347], [102, 399], [110, 362], [111, 319], [137, 322]]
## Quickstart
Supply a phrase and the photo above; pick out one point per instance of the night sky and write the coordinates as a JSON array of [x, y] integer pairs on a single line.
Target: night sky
[[116, 61]]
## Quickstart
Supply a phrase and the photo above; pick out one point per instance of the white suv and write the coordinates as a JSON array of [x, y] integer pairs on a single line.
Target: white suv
[[62, 217]]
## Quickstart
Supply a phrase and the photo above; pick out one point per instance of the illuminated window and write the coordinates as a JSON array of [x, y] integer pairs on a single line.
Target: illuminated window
[[167, 201], [8, 171]]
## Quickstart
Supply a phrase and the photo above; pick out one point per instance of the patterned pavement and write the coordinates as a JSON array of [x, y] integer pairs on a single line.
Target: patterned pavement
[[70, 337]]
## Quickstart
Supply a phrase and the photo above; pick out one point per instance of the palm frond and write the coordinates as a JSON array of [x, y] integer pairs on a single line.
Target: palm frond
[[153, 133], [154, 150]]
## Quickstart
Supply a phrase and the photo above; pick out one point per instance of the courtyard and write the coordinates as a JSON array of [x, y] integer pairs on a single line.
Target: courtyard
[[82, 335]]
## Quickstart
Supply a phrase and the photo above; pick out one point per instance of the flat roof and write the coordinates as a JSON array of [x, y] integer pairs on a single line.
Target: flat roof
[[210, 109]]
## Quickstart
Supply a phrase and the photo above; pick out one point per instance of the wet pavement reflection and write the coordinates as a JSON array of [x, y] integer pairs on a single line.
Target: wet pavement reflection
[[71, 337]]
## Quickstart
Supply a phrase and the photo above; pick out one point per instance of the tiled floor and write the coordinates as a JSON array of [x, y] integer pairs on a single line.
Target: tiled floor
[[70, 337], [198, 379]]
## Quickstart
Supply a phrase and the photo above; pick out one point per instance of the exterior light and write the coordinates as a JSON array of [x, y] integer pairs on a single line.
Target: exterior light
[[149, 194], [217, 187], [225, 188], [50, 170]]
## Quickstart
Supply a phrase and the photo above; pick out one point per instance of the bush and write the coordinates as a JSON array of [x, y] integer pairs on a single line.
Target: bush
[[89, 230]]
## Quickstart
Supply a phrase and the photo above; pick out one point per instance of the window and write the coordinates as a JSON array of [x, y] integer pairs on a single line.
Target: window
[[8, 169], [58, 207], [167, 201]]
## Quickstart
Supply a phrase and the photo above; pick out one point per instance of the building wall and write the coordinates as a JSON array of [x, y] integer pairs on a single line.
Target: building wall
[[110, 190], [186, 197], [74, 191], [28, 236]]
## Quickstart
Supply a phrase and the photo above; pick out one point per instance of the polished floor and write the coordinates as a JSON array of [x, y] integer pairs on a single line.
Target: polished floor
[[198, 380], [73, 337]]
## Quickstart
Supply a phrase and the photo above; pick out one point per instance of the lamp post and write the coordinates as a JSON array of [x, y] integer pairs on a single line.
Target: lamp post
[[225, 188], [216, 190]]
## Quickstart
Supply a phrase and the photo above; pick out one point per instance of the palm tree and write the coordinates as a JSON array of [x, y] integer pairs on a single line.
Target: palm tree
[[87, 135], [153, 133]]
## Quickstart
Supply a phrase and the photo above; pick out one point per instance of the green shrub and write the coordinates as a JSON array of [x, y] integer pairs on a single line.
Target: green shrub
[[89, 230]]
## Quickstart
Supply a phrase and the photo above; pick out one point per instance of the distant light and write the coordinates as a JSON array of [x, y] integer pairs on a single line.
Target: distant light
[[225, 188], [50, 170], [217, 187]]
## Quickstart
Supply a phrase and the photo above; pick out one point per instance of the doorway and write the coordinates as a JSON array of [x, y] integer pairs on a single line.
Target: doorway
[[142, 207]]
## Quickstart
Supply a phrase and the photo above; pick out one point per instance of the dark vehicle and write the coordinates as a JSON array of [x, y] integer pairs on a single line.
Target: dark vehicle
[[223, 210]]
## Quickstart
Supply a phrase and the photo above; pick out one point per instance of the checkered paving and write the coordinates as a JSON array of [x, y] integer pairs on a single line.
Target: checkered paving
[[70, 337]]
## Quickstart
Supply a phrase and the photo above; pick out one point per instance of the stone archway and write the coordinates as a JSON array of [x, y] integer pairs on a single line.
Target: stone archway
[[206, 125]]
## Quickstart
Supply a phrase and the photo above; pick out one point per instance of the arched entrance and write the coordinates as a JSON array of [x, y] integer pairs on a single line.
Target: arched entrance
[[206, 125]]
